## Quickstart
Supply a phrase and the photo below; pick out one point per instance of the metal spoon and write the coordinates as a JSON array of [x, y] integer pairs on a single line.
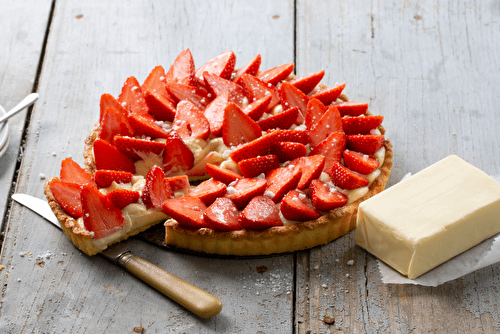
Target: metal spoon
[[26, 102]]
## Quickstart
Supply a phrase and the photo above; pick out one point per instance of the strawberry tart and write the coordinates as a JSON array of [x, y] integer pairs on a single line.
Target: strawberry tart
[[233, 162]]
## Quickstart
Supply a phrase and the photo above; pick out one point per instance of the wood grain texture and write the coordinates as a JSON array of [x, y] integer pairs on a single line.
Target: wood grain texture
[[431, 69]]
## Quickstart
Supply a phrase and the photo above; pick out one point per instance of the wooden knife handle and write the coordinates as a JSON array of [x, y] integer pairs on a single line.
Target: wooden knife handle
[[192, 298]]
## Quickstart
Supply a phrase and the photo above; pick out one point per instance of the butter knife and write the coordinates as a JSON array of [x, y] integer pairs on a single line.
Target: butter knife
[[185, 294]]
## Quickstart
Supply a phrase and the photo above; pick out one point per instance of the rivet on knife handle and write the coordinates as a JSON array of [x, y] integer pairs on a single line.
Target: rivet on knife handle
[[192, 298]]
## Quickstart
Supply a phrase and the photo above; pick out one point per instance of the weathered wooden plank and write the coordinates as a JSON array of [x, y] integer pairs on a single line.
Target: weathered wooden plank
[[92, 48], [431, 70]]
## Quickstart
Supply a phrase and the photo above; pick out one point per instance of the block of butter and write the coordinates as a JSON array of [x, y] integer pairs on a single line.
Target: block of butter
[[427, 219]]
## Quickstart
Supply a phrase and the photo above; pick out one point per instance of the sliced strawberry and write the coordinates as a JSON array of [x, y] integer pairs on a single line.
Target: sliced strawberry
[[255, 166], [156, 189], [160, 106], [257, 108], [260, 213], [114, 123], [195, 95], [123, 197], [104, 177], [209, 190], [345, 178], [178, 158], [179, 183], [361, 124], [286, 151], [107, 101], [296, 136], [238, 128], [155, 82], [282, 180], [68, 196], [243, 190], [200, 167], [107, 156], [328, 95], [251, 68], [331, 148], [214, 113], [224, 175], [283, 120], [182, 70], [311, 167], [351, 108], [222, 215], [328, 123], [190, 123], [315, 110], [217, 85], [187, 210], [100, 215], [256, 89], [276, 74], [221, 66], [297, 206], [367, 144], [259, 146], [132, 97], [290, 97], [308, 82], [73, 173], [359, 162], [148, 126], [138, 148], [325, 197]]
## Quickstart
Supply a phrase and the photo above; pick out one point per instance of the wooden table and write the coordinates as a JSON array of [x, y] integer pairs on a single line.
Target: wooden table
[[431, 68]]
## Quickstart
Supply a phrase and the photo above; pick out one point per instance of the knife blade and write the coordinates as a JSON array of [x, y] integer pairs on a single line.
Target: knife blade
[[185, 294]]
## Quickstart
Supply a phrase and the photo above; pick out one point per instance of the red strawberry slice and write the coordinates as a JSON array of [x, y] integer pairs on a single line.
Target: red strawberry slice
[[156, 189], [138, 148], [108, 101], [276, 74], [311, 167], [251, 68], [290, 97], [114, 123], [123, 197], [297, 206], [217, 85], [179, 183], [100, 215], [224, 175], [328, 95], [255, 166], [296, 136], [182, 70], [209, 190], [256, 89], [260, 213], [104, 178], [177, 158], [328, 123], [195, 95], [214, 113], [148, 126], [259, 146], [222, 215], [132, 97], [155, 82], [331, 148], [257, 108], [315, 110], [221, 66], [283, 120], [200, 167], [359, 162], [282, 180], [187, 210], [190, 123], [345, 178], [351, 108], [107, 156], [367, 144], [68, 196], [286, 151], [308, 82], [160, 106], [73, 173], [361, 124], [238, 128], [243, 190], [325, 197]]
